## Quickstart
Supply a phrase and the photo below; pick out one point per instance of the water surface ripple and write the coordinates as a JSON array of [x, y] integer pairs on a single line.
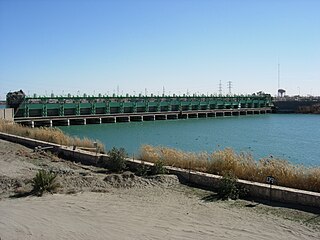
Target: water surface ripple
[[288, 136]]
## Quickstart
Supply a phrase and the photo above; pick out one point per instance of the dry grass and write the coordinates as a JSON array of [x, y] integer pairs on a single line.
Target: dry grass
[[242, 165], [53, 135]]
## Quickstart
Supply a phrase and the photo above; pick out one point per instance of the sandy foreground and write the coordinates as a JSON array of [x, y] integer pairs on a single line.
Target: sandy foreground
[[96, 205]]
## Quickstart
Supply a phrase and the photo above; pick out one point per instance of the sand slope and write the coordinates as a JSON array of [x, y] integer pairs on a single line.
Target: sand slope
[[138, 214], [148, 209]]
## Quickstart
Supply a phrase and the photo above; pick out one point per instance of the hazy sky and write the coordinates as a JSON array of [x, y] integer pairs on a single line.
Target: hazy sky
[[94, 46]]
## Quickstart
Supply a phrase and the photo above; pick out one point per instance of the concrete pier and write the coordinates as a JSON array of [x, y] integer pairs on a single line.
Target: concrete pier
[[149, 118], [136, 118], [161, 117], [108, 119], [122, 119]]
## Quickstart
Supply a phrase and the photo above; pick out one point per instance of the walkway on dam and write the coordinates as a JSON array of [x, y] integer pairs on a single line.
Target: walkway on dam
[[136, 117]]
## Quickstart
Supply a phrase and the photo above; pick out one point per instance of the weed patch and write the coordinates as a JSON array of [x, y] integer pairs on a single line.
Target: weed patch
[[44, 181]]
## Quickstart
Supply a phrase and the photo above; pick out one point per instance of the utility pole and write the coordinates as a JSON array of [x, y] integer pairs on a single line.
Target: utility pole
[[278, 75], [220, 89]]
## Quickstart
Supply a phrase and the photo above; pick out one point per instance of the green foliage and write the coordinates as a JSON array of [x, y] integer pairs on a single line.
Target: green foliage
[[158, 168], [117, 162], [228, 188], [44, 181], [143, 170]]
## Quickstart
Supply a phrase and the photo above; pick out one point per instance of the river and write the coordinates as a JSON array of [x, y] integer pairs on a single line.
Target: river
[[294, 137]]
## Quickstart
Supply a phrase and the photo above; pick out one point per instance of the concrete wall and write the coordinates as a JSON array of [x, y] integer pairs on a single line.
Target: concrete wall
[[257, 190], [7, 114]]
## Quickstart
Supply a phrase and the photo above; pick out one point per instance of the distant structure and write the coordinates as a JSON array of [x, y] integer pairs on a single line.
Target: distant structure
[[220, 88], [281, 92], [72, 110], [230, 87]]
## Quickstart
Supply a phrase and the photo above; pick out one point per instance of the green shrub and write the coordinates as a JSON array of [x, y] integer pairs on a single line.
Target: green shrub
[[117, 162], [44, 181], [158, 168], [228, 188], [143, 170]]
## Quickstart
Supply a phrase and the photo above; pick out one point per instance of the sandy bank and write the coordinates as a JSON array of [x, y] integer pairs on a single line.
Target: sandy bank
[[129, 207]]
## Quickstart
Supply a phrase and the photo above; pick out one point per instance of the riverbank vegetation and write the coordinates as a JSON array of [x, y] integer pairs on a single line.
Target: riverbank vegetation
[[242, 165], [53, 135]]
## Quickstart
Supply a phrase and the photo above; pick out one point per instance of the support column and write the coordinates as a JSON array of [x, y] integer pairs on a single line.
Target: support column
[[84, 121], [100, 120], [50, 123], [32, 124], [68, 122]]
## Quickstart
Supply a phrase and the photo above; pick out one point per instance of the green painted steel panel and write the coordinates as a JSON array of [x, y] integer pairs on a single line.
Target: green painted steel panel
[[114, 104], [99, 105], [104, 105], [35, 106], [85, 105], [70, 105], [128, 104]]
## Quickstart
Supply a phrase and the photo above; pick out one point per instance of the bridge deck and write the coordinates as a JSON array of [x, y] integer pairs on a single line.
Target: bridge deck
[[127, 117]]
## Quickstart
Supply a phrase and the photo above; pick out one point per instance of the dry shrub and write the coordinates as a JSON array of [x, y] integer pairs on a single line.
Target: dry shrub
[[53, 135], [242, 165]]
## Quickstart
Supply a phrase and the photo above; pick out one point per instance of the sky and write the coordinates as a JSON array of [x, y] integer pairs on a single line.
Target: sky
[[150, 46]]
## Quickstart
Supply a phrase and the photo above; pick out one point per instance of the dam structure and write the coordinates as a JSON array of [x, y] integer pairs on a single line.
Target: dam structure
[[80, 110]]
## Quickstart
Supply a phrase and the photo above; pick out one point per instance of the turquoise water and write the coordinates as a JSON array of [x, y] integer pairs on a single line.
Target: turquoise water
[[289, 136]]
